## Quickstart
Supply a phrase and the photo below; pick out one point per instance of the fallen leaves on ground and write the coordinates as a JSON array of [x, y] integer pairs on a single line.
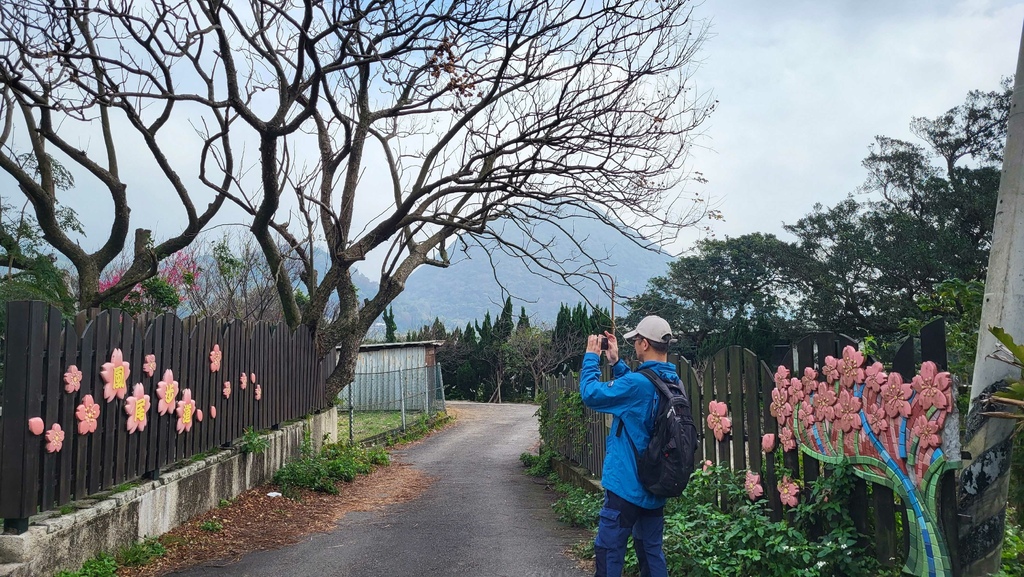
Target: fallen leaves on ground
[[254, 522]]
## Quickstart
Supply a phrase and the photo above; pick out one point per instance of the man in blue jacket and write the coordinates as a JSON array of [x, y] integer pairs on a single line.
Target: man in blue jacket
[[631, 399]]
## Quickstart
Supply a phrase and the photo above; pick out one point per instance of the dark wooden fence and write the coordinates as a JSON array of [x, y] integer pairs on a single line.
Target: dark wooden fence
[[737, 377], [39, 347]]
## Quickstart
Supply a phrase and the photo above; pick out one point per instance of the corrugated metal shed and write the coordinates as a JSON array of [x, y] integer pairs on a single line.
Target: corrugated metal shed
[[396, 376]]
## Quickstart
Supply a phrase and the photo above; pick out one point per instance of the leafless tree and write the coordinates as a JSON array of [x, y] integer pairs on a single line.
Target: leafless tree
[[235, 282], [536, 353], [482, 117]]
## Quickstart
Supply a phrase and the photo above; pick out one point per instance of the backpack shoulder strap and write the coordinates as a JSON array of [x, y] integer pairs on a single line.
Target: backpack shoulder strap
[[658, 382]]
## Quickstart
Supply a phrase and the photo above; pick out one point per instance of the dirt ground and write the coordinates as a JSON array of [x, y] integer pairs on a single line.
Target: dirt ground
[[246, 520]]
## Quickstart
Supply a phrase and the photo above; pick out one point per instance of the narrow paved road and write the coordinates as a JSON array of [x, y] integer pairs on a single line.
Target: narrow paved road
[[482, 517]]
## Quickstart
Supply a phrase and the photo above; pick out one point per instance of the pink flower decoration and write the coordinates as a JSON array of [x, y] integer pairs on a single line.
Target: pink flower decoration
[[259, 392], [166, 393], [199, 415], [243, 381], [227, 389], [707, 465], [72, 379], [115, 375], [87, 414], [213, 412], [753, 485], [823, 401], [809, 380], [150, 365], [877, 419], [848, 411], [788, 491], [894, 396], [830, 370], [781, 377], [252, 378], [54, 439], [780, 407], [768, 442], [787, 439], [927, 431], [875, 377], [215, 359], [931, 387], [137, 405], [850, 370], [806, 415], [717, 420], [796, 391], [36, 426], [186, 411]]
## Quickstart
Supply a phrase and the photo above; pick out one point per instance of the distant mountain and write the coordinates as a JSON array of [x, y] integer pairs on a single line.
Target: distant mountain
[[468, 289]]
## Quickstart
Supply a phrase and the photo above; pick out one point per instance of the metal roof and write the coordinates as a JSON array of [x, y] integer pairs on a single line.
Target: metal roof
[[378, 346]]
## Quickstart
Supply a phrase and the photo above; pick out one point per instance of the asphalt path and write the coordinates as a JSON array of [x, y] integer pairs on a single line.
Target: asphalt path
[[482, 517]]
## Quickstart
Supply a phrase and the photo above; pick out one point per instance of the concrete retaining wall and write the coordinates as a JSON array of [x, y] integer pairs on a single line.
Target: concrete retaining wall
[[109, 522]]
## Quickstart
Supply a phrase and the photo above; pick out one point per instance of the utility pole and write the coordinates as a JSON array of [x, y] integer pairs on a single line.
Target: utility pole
[[984, 480]]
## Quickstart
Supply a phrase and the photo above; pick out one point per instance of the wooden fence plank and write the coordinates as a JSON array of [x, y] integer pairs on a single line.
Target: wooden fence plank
[[67, 474], [720, 365], [19, 445], [53, 396], [751, 394], [734, 362]]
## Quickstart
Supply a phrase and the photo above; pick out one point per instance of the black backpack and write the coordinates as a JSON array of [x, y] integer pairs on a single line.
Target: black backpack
[[665, 467]]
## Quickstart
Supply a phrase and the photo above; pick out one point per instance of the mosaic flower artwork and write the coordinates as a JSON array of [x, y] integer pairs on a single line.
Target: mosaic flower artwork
[[215, 357], [115, 376], [137, 406], [54, 439], [167, 393], [889, 428], [186, 411], [149, 367], [717, 419], [72, 379], [87, 414]]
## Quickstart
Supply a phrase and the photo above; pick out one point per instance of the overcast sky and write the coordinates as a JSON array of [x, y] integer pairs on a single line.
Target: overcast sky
[[805, 85]]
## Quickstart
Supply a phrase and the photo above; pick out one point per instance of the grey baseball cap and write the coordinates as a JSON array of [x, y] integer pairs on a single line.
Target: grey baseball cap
[[652, 328]]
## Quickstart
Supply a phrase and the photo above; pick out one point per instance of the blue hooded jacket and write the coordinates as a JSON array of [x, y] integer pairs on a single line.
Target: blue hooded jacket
[[631, 399]]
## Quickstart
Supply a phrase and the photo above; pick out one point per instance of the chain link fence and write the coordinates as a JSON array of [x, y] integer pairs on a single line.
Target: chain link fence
[[406, 393]]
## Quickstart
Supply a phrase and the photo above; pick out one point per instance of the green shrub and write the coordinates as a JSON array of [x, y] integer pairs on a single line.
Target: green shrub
[[253, 442], [102, 565], [538, 465], [321, 471], [211, 525], [578, 507], [1013, 551], [140, 553]]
